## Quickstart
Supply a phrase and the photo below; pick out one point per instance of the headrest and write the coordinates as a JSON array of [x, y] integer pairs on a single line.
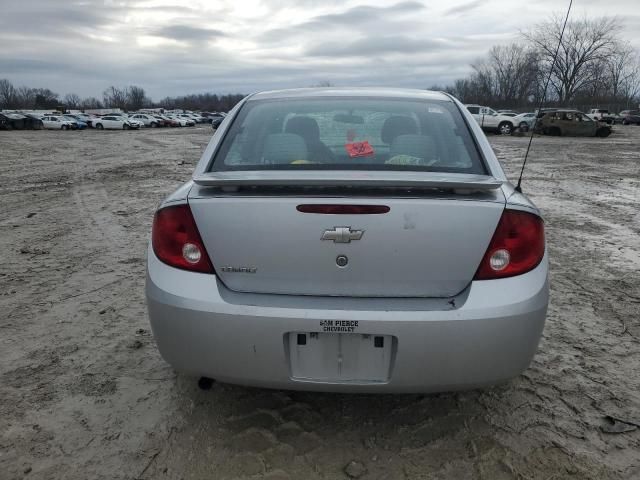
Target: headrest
[[419, 146], [306, 127], [282, 148], [397, 125]]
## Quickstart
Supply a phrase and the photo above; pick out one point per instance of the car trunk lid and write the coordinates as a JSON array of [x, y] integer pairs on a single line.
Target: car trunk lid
[[428, 244]]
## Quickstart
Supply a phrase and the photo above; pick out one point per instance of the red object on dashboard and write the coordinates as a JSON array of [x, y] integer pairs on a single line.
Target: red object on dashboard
[[359, 149]]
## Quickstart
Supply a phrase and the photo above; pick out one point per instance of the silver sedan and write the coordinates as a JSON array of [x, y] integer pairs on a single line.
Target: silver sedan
[[358, 240]]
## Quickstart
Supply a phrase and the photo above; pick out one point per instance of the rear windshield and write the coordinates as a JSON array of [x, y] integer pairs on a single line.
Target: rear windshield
[[347, 134]]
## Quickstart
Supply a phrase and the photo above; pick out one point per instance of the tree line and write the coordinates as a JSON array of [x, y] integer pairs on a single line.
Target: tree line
[[594, 67], [129, 98]]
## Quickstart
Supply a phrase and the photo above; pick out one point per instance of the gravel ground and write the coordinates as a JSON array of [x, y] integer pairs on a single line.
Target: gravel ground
[[84, 393]]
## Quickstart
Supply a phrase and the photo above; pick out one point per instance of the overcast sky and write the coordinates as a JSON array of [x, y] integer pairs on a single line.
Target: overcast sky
[[172, 48]]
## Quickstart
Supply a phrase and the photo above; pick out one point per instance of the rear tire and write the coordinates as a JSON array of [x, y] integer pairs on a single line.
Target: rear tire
[[99, 126], [603, 132], [154, 124], [64, 127], [524, 127], [125, 127], [505, 128]]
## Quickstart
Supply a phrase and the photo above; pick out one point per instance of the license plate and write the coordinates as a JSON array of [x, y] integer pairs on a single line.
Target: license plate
[[340, 357]]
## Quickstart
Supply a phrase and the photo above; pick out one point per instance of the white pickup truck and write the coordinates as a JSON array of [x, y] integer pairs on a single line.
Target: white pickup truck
[[490, 120]]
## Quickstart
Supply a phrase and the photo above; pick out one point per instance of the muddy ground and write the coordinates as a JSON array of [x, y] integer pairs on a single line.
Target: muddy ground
[[84, 393]]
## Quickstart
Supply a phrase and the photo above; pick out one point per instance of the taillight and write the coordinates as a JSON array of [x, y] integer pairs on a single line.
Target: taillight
[[176, 241], [517, 246]]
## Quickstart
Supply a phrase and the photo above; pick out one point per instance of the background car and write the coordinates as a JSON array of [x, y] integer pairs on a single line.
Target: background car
[[183, 121], [630, 117], [603, 115], [190, 119], [169, 122], [53, 122], [33, 121], [133, 122], [525, 121], [79, 124], [162, 121], [571, 123], [216, 120], [86, 118], [20, 121], [197, 117], [490, 120], [145, 119], [115, 122]]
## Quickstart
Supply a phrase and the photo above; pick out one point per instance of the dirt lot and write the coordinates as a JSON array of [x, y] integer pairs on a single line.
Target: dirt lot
[[85, 395]]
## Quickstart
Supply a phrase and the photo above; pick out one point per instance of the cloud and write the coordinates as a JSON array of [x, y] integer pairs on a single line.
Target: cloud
[[465, 7], [377, 46], [359, 18], [188, 33], [173, 48], [366, 13]]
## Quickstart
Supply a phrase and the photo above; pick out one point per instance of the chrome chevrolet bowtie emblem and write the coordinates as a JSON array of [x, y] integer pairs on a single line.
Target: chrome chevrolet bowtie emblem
[[342, 234]]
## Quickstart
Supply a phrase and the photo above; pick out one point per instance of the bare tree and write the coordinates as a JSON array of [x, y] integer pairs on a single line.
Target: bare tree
[[622, 67], [630, 86], [8, 94], [90, 103], [587, 43], [115, 98], [71, 100], [26, 97], [136, 98], [45, 98], [515, 69]]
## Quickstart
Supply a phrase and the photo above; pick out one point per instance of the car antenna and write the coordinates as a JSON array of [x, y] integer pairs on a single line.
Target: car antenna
[[544, 96]]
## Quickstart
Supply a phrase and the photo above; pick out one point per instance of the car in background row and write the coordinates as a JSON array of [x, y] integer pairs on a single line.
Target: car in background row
[[570, 123], [78, 124], [20, 121], [630, 117], [525, 121], [171, 122], [490, 120], [54, 122], [216, 119], [183, 120], [188, 116], [33, 121], [197, 118], [603, 115], [163, 121], [145, 119], [508, 113], [115, 122]]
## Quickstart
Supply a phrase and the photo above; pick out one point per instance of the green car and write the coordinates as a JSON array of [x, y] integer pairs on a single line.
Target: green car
[[570, 123]]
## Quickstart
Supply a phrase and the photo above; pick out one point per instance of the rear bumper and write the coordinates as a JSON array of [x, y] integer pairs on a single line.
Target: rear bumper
[[487, 336]]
